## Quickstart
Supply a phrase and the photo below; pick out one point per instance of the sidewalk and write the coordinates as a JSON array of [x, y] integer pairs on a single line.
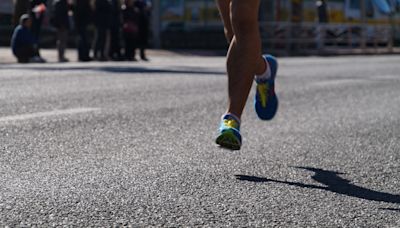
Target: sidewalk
[[6, 56]]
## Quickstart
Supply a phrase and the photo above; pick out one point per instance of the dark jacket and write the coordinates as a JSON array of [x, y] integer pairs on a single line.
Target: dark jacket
[[37, 2], [83, 13], [103, 13], [130, 19], [115, 13], [21, 37], [129, 14], [144, 14], [21, 7], [143, 21], [60, 17]]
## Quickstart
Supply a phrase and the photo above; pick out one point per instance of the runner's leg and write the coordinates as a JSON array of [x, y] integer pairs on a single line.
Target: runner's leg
[[244, 56], [224, 7]]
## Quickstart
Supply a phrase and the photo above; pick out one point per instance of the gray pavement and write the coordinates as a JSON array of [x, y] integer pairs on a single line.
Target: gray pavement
[[131, 144]]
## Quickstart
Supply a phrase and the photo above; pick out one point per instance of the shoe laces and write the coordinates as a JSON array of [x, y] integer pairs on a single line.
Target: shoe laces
[[231, 123], [263, 91]]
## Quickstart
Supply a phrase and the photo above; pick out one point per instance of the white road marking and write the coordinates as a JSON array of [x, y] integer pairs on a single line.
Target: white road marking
[[360, 80], [340, 82], [46, 114]]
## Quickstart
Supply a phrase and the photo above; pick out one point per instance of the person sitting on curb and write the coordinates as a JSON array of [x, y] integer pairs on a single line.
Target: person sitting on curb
[[23, 43]]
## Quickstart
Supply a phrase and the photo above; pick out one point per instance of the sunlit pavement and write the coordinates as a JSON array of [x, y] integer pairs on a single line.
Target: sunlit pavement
[[132, 144]]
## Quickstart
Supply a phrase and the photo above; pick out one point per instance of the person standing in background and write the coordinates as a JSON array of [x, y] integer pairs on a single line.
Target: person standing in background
[[102, 16], [82, 15], [21, 7], [143, 26], [37, 10], [130, 29], [322, 9], [60, 20], [115, 30]]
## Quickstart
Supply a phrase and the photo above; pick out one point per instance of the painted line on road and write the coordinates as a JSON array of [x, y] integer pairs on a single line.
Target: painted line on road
[[46, 114], [340, 82], [360, 80]]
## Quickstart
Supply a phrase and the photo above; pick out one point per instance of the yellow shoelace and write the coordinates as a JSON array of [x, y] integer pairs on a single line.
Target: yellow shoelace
[[263, 90], [231, 123]]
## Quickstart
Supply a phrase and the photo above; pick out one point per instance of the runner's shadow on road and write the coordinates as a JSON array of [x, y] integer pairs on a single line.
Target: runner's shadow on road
[[333, 183], [390, 209]]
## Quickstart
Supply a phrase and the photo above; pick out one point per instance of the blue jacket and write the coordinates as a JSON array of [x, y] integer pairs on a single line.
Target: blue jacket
[[21, 37]]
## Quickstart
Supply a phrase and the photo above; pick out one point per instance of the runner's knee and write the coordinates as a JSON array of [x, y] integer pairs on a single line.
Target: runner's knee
[[229, 35], [242, 25], [244, 17]]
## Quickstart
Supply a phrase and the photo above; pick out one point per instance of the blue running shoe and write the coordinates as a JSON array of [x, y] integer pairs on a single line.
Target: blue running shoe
[[229, 136], [265, 100]]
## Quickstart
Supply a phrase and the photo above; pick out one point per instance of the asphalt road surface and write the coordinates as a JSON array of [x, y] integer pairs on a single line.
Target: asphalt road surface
[[132, 144]]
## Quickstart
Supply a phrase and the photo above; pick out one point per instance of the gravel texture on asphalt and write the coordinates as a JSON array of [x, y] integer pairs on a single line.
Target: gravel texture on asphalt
[[141, 151]]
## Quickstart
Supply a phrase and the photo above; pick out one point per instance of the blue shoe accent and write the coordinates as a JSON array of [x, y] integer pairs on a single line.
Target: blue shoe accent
[[229, 136], [265, 100]]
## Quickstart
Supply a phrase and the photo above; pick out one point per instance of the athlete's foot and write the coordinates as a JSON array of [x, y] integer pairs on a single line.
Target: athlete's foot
[[266, 101], [229, 133]]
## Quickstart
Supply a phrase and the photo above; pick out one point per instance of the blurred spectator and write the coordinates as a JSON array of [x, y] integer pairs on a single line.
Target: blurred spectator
[[322, 10], [102, 17], [130, 28], [83, 15], [23, 42], [37, 11], [60, 20], [21, 7], [144, 23], [115, 30]]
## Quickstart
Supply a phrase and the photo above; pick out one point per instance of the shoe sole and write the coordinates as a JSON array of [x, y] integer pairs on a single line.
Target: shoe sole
[[228, 140]]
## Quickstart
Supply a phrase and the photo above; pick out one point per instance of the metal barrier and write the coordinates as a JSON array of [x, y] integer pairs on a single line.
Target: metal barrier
[[324, 39], [281, 38]]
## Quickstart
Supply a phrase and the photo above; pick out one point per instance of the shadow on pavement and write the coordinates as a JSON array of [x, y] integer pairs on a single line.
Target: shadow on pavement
[[390, 209], [125, 69], [333, 183]]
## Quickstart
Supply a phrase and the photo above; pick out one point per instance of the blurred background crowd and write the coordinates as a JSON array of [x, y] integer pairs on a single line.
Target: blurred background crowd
[[114, 29], [114, 21]]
